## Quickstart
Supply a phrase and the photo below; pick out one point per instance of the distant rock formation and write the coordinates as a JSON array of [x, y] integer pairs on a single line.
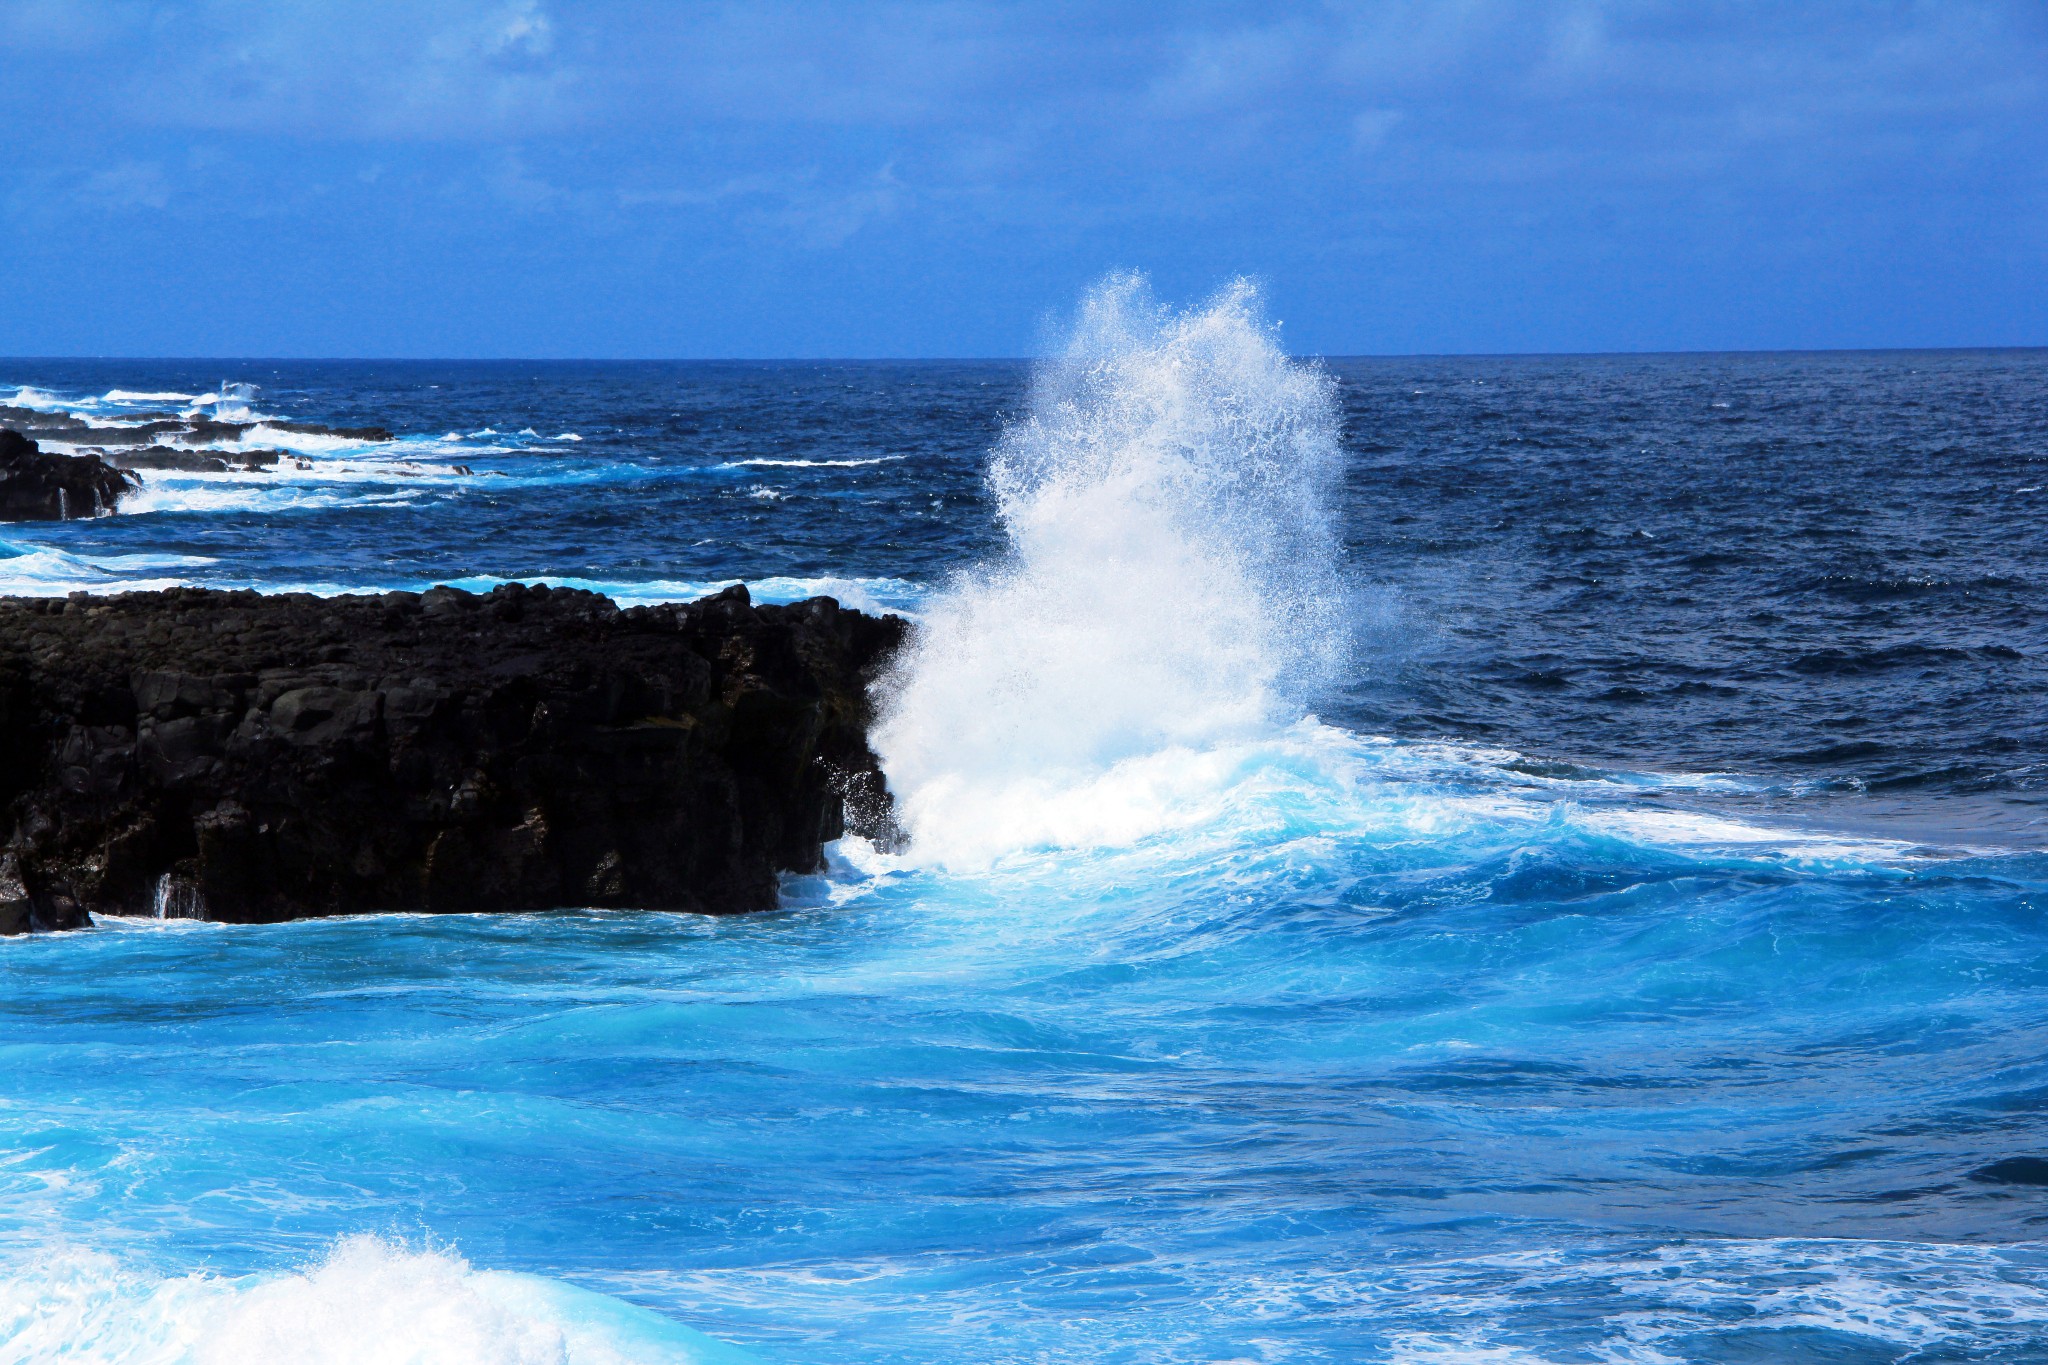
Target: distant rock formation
[[194, 461], [343, 433], [85, 478], [151, 428], [38, 485], [242, 757]]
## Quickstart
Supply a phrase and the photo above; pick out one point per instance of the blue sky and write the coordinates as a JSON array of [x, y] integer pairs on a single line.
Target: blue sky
[[622, 178]]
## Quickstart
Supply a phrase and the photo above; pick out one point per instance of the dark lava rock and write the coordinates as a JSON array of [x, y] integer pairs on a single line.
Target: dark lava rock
[[192, 461], [168, 457], [32, 419], [40, 486], [142, 434], [346, 433], [206, 429], [245, 757]]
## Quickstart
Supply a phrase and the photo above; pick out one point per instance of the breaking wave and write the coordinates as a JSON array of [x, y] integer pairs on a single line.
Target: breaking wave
[[366, 1301], [1173, 583]]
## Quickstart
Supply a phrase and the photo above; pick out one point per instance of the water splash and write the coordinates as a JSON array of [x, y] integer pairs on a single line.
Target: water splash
[[233, 403], [1174, 582]]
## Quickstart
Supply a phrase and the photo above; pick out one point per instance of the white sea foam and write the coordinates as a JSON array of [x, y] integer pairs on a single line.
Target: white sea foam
[[1174, 590], [307, 442], [27, 397], [36, 571], [1907, 1298], [131, 396], [229, 493], [367, 1302], [766, 463]]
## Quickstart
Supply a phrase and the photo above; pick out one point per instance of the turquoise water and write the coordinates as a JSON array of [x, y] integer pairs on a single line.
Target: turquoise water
[[1376, 1057], [1189, 1026]]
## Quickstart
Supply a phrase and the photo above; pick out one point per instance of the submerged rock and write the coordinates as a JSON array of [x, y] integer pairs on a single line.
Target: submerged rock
[[244, 757], [38, 485]]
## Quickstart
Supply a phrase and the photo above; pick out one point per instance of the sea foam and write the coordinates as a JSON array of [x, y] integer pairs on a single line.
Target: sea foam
[[368, 1301]]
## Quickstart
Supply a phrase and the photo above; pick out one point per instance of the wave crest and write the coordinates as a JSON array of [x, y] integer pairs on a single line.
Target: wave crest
[[367, 1302]]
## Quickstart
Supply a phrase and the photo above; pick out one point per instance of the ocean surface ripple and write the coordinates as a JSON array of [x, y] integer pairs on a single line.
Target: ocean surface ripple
[[1629, 948]]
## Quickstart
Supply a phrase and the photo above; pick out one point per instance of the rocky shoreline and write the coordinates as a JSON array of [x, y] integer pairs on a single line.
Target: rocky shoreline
[[95, 470], [243, 757]]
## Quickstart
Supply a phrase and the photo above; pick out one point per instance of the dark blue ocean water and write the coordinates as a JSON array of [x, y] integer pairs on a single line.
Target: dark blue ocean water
[[1635, 948]]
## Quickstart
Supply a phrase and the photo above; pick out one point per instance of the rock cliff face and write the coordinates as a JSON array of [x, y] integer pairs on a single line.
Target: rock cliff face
[[41, 486], [240, 757]]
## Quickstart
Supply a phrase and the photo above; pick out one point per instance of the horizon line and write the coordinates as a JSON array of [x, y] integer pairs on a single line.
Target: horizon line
[[989, 359]]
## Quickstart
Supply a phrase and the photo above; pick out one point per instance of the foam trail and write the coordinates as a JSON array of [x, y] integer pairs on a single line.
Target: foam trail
[[1174, 582]]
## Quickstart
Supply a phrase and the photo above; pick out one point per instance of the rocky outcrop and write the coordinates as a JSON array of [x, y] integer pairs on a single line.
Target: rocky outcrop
[[192, 461], [344, 433], [35, 419], [38, 485], [243, 757], [143, 428]]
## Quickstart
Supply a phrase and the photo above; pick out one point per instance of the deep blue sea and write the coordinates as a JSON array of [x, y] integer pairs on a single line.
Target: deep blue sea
[[1498, 860]]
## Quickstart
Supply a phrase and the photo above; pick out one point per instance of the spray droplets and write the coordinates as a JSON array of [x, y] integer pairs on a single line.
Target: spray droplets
[[1174, 579]]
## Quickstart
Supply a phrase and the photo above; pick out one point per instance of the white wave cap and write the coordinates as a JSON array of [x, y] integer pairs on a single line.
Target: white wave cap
[[1174, 578], [367, 1302]]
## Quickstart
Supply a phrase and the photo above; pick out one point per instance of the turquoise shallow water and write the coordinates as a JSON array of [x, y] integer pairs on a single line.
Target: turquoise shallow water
[[1644, 959], [1378, 1055]]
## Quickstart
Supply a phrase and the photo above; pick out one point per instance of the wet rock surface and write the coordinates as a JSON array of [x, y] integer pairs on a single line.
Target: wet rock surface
[[242, 757], [193, 461], [40, 485]]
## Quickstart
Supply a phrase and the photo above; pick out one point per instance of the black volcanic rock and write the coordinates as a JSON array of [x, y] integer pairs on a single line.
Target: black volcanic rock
[[35, 419], [191, 461], [253, 758], [36, 485], [346, 433], [165, 457], [141, 434]]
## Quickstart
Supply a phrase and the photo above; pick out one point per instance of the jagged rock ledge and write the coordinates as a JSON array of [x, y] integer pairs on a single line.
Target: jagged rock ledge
[[39, 486], [243, 757]]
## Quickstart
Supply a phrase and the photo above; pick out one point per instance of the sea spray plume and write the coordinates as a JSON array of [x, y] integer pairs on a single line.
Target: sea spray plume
[[1173, 582]]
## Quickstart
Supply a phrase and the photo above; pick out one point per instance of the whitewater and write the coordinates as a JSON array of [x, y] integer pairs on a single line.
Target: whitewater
[[1211, 1006]]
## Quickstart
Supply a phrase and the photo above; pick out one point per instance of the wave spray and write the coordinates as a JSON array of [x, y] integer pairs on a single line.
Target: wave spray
[[1174, 584]]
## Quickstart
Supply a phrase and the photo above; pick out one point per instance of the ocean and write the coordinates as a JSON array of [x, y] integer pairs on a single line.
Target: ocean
[[1508, 860]]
